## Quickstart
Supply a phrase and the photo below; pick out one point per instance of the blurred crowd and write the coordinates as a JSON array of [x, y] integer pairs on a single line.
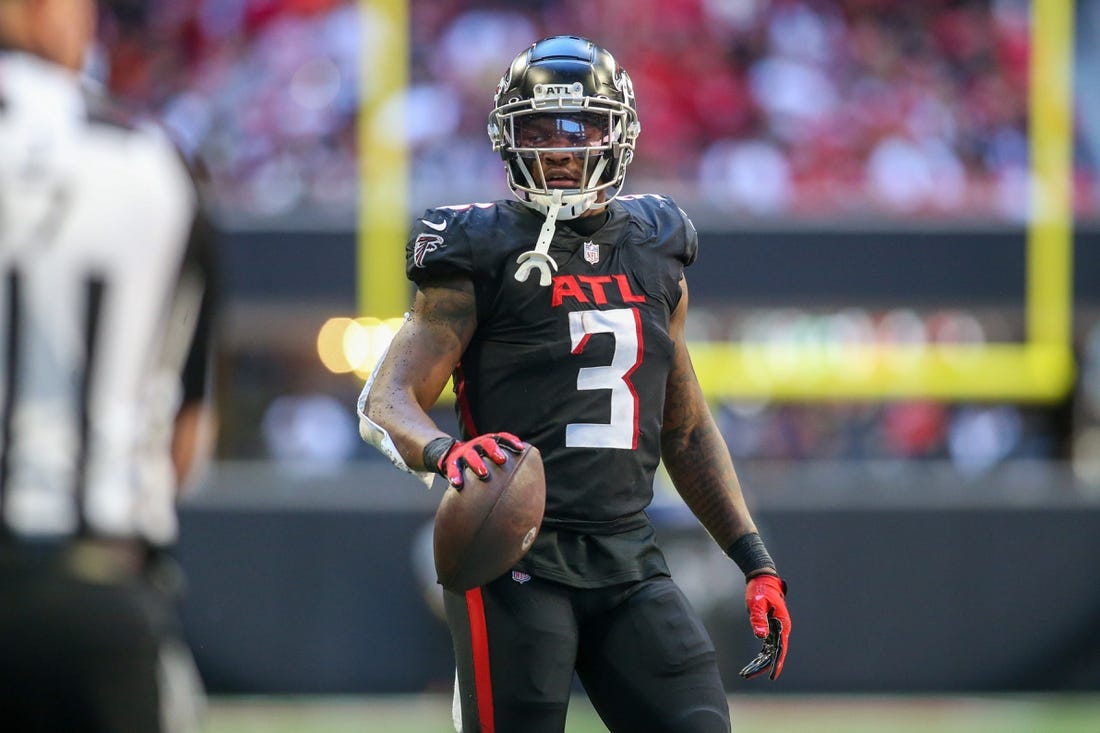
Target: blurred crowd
[[763, 108], [263, 92], [751, 108]]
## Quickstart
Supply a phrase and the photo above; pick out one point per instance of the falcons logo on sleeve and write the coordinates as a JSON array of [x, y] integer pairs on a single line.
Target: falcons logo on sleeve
[[425, 244]]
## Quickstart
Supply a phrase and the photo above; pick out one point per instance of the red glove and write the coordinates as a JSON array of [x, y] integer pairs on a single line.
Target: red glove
[[470, 452], [765, 597]]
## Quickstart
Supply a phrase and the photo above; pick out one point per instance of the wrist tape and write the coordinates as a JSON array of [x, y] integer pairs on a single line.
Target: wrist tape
[[435, 451], [750, 555]]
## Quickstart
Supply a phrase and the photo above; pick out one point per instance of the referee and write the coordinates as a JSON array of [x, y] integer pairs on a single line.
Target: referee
[[104, 354]]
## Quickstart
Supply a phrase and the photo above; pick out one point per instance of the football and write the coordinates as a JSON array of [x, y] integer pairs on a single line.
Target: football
[[484, 529]]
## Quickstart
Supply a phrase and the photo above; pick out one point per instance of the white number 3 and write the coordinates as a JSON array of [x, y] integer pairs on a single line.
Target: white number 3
[[626, 326]]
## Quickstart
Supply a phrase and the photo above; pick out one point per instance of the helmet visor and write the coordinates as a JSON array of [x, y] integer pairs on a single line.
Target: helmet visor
[[561, 131]]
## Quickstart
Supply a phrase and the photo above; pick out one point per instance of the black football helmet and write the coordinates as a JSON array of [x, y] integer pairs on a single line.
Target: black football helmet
[[584, 90]]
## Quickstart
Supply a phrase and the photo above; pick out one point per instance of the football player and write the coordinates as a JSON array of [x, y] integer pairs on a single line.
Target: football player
[[561, 317]]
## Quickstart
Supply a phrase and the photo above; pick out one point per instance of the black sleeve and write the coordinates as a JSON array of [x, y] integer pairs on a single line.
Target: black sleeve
[[692, 249], [438, 246], [691, 238], [199, 268]]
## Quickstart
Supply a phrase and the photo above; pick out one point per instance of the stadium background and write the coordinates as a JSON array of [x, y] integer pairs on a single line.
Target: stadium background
[[861, 172]]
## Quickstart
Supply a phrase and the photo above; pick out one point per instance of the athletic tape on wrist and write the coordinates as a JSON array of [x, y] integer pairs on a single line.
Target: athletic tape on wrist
[[750, 554], [435, 451]]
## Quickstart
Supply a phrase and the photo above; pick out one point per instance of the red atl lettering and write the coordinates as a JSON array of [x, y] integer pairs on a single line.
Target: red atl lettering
[[595, 283], [570, 286], [624, 290], [566, 286]]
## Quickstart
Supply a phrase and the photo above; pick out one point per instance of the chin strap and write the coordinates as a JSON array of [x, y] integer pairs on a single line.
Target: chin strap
[[538, 257]]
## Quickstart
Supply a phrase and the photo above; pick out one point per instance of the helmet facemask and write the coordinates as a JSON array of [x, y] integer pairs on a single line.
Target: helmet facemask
[[563, 96], [596, 130]]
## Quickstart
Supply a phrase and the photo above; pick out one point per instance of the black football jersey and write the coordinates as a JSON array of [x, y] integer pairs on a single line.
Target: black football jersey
[[577, 368]]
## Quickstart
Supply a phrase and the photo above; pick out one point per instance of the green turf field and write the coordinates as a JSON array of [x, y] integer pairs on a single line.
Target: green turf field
[[781, 714]]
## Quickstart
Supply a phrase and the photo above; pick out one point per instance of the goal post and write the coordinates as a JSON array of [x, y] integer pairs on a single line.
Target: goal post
[[1040, 368]]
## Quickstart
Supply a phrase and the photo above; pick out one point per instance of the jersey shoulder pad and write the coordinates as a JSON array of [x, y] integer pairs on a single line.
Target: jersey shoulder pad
[[450, 240], [673, 232]]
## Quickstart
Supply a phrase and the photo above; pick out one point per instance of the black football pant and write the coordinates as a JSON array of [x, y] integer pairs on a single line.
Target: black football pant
[[86, 649], [641, 652]]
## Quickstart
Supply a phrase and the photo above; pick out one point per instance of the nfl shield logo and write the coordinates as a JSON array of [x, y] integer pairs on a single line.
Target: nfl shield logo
[[591, 253]]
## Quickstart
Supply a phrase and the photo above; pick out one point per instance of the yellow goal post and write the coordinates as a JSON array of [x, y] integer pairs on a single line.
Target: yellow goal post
[[1038, 369]]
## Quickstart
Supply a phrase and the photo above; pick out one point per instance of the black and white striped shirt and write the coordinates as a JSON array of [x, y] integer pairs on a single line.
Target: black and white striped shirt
[[103, 301]]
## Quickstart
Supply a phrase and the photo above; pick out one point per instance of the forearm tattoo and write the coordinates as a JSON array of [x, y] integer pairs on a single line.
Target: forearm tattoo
[[449, 311], [418, 365], [698, 462]]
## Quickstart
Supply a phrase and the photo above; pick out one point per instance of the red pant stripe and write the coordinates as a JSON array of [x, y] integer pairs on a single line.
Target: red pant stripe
[[479, 641]]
